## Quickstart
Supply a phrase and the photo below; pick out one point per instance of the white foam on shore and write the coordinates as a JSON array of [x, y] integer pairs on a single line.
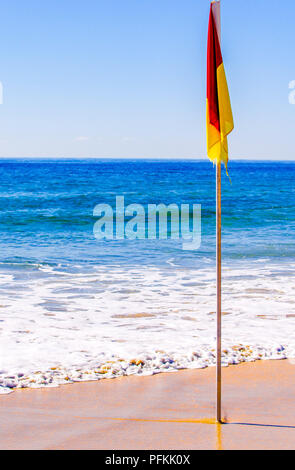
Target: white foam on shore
[[63, 327]]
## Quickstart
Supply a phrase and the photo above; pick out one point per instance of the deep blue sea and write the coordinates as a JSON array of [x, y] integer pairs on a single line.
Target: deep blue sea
[[69, 303], [47, 210]]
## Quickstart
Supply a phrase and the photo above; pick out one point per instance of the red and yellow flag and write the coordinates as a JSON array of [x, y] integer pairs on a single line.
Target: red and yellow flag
[[219, 114]]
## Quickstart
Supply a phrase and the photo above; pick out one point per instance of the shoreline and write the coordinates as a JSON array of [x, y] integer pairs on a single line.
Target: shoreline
[[142, 366], [165, 411]]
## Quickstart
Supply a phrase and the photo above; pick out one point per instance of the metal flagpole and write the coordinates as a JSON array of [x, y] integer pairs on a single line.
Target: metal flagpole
[[216, 13], [218, 283]]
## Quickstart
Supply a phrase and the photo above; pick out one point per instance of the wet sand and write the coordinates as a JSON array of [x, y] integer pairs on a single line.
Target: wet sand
[[166, 411]]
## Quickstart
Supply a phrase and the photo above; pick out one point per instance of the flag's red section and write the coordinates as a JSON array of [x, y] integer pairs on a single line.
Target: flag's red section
[[214, 60]]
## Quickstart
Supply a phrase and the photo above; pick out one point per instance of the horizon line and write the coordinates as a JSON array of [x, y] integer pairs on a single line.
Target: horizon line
[[196, 159]]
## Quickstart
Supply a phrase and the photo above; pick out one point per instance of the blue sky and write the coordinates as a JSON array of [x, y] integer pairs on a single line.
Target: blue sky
[[127, 78]]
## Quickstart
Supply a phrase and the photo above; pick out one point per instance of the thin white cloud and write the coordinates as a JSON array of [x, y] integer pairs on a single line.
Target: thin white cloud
[[81, 138], [128, 139]]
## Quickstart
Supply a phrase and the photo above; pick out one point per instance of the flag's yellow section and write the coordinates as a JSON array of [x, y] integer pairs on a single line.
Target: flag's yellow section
[[217, 147], [225, 112]]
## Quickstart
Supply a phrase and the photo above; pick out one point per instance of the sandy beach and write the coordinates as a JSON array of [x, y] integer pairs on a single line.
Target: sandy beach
[[166, 411]]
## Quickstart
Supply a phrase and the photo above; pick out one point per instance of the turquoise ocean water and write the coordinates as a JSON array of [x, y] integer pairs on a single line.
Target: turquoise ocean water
[[47, 210]]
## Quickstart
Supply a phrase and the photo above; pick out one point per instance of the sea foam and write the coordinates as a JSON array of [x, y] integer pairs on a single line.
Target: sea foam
[[61, 327]]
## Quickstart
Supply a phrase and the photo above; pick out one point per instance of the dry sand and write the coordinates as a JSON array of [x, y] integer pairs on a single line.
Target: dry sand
[[167, 411]]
